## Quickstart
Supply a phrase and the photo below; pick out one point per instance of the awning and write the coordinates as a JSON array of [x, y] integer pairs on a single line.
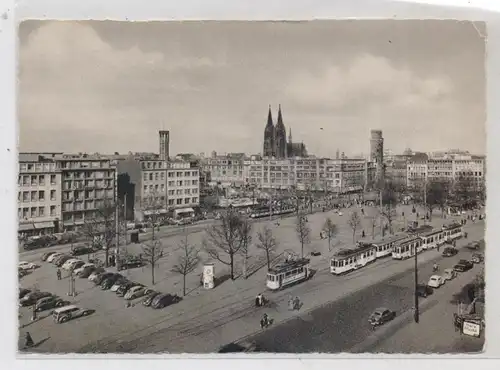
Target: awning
[[184, 210], [44, 225], [152, 212], [25, 227]]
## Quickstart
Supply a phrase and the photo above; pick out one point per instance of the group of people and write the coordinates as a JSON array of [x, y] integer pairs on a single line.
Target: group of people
[[260, 300]]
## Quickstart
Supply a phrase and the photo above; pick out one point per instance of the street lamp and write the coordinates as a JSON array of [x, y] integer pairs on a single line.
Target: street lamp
[[416, 313]]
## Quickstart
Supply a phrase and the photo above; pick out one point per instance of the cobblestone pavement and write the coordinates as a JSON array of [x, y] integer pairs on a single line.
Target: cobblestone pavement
[[204, 319]]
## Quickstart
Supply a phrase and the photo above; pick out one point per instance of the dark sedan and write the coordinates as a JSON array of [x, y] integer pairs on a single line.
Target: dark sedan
[[50, 302], [149, 299], [123, 289], [81, 250], [110, 281], [32, 298], [61, 260], [47, 255], [423, 290], [105, 275], [380, 316], [463, 265], [132, 263], [23, 292], [449, 252], [165, 300]]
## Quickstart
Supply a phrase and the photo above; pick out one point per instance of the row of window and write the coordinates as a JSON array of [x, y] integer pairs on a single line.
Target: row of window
[[80, 184], [171, 184], [294, 272], [38, 167], [85, 164], [408, 247], [35, 196], [179, 201], [33, 212], [35, 180]]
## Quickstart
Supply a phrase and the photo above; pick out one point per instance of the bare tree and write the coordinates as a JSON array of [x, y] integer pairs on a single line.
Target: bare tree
[[389, 202], [187, 261], [246, 239], [101, 228], [354, 223], [437, 195], [267, 242], [223, 240], [303, 232], [373, 224], [152, 206], [331, 231]]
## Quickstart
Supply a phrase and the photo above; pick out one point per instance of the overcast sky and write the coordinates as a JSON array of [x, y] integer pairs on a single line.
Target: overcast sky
[[110, 86]]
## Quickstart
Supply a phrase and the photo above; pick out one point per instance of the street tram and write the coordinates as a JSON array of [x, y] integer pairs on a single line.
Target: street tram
[[264, 212], [384, 246], [407, 248], [352, 259], [433, 239], [452, 232], [288, 273]]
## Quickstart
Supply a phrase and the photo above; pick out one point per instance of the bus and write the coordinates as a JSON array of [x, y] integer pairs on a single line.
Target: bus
[[433, 239], [288, 273], [385, 245], [347, 260], [406, 248]]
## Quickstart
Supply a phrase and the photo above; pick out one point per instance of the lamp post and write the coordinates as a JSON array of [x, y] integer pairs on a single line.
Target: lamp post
[[416, 313]]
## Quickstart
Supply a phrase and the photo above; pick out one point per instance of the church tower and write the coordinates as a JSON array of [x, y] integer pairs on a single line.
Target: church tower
[[269, 137], [280, 136]]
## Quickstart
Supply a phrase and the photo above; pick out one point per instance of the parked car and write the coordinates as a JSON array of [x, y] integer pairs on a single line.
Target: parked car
[[477, 258], [81, 250], [94, 275], [47, 255], [64, 314], [23, 292], [474, 246], [449, 252], [76, 265], [150, 297], [107, 283], [449, 274], [53, 256], [119, 283], [380, 316], [80, 269], [243, 346], [123, 289], [105, 275], [27, 265], [31, 298], [165, 300], [435, 281], [50, 302], [463, 265], [21, 273], [62, 260], [85, 272], [135, 292], [67, 265], [424, 290], [131, 263]]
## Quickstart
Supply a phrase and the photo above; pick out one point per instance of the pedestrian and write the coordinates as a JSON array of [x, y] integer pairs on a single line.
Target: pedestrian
[[29, 340], [402, 214], [296, 303], [58, 273], [363, 234]]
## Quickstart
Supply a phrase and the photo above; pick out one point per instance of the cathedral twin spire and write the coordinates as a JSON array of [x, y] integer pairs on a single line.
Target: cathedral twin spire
[[275, 143]]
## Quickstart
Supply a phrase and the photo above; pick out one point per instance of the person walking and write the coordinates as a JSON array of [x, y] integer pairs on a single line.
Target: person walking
[[58, 273]]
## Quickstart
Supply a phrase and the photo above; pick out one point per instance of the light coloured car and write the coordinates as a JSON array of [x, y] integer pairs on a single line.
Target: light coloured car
[[93, 276], [435, 281], [80, 269], [23, 265], [69, 263], [66, 313], [118, 284], [135, 292], [52, 257], [449, 274]]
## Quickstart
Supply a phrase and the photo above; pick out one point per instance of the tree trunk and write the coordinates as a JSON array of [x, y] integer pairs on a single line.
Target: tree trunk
[[354, 236], [152, 272], [302, 249], [329, 244], [268, 260], [106, 256], [231, 261], [184, 284]]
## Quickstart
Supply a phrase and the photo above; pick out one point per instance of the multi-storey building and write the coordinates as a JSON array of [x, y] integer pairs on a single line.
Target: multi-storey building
[[396, 168], [335, 175], [39, 194], [417, 171], [174, 185], [226, 170], [88, 183]]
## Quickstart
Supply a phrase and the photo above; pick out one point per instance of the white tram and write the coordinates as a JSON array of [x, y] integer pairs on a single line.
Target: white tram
[[406, 248], [433, 239], [288, 273], [452, 232], [384, 246], [352, 259]]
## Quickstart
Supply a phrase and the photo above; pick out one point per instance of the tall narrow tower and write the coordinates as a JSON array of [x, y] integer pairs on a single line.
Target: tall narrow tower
[[280, 136], [164, 137], [377, 154], [269, 137]]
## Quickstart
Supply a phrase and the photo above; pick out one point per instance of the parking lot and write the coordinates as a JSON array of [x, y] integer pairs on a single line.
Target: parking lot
[[112, 319]]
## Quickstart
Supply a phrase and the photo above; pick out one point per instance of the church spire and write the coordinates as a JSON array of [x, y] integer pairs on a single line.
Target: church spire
[[270, 117], [290, 135], [280, 118]]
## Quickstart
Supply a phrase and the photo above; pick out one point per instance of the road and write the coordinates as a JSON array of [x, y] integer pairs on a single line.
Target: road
[[339, 326]]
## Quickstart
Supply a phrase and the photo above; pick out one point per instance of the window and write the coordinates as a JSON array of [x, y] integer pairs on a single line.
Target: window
[[145, 177], [187, 200], [187, 173], [179, 192], [151, 188], [179, 183], [194, 200], [156, 187], [26, 196], [157, 176], [170, 202], [162, 188], [52, 210], [26, 180], [187, 191], [163, 176], [26, 212], [150, 177], [179, 201], [33, 180], [170, 174], [33, 211], [41, 196], [145, 188], [41, 211], [171, 183], [52, 195], [41, 180], [34, 196]]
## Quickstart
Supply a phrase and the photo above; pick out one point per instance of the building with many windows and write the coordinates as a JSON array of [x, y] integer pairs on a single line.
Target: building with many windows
[[225, 170], [174, 185], [39, 194], [88, 182]]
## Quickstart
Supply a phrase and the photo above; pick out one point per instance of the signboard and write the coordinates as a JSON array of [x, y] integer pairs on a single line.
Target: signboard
[[471, 328], [208, 276]]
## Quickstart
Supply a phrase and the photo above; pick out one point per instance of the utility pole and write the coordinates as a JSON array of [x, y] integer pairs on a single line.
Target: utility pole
[[117, 235], [425, 201], [380, 212], [416, 313]]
